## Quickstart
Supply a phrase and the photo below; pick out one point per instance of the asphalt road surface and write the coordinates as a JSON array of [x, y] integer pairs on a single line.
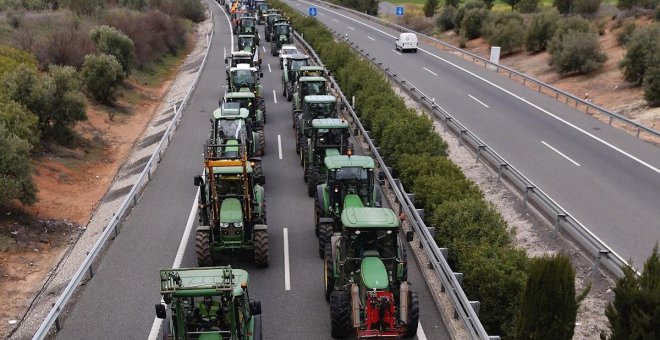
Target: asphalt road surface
[[604, 177], [118, 303]]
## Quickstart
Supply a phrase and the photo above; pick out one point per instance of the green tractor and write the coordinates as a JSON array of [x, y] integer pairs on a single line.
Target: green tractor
[[247, 25], [349, 182], [272, 15], [328, 137], [365, 277], [249, 43], [244, 78], [280, 35], [249, 101], [291, 72], [262, 8], [232, 209], [208, 304], [231, 127], [305, 86], [314, 107]]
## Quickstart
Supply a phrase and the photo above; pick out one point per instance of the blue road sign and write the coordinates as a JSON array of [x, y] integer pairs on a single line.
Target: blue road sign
[[399, 11], [312, 11]]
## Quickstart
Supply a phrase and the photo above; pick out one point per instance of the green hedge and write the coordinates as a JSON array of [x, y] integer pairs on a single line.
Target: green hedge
[[480, 244]]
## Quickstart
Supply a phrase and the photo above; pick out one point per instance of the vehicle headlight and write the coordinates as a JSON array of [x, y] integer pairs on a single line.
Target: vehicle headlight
[[238, 225], [224, 225]]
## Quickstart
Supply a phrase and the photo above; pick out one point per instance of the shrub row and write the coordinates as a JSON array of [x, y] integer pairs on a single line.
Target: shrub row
[[477, 236]]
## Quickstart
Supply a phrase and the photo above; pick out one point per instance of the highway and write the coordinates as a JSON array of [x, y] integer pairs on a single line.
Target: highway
[[118, 303], [604, 177]]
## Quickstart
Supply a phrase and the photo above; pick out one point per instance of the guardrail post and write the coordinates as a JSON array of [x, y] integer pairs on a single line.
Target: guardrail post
[[58, 327], [476, 305], [420, 212], [638, 130], [91, 271], [411, 197], [460, 137], [595, 269], [558, 220], [528, 188], [499, 170], [479, 148]]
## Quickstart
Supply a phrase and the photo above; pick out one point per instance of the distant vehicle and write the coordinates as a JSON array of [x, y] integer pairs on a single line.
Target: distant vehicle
[[285, 52], [406, 41]]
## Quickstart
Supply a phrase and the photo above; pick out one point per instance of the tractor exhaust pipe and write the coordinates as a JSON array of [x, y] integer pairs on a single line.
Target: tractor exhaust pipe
[[355, 306], [403, 301]]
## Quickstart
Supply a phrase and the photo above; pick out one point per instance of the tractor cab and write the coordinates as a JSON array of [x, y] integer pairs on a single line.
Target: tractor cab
[[241, 57], [306, 86], [366, 276], [236, 14], [314, 71], [292, 66], [271, 17], [314, 107], [247, 100], [230, 127], [262, 7], [244, 78], [207, 303], [247, 25], [248, 43], [231, 208], [280, 35], [328, 137]]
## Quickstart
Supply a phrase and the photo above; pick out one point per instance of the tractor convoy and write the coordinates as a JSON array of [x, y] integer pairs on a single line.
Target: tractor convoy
[[364, 257]]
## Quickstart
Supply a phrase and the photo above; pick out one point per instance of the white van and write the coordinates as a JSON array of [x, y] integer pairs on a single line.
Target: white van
[[406, 41]]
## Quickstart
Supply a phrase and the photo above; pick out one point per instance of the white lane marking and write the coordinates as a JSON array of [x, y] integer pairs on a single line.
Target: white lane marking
[[269, 70], [351, 28], [397, 52], [279, 145], [335, 20], [263, 48], [561, 154], [654, 169], [478, 101], [321, 14], [431, 72], [287, 278], [372, 39], [420, 332], [155, 327], [274, 97]]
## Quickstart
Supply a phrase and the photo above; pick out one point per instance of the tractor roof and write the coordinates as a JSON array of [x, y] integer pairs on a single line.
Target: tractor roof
[[329, 123], [299, 56], [230, 111], [245, 67], [195, 282], [312, 68], [311, 78], [280, 23], [241, 54], [318, 98], [239, 95], [251, 36], [231, 170], [344, 161], [365, 218]]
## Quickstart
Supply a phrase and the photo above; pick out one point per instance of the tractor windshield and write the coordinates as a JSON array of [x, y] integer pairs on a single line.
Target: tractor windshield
[[322, 109], [244, 78], [263, 6], [352, 173], [207, 315], [247, 22], [245, 103], [245, 44], [296, 64], [230, 128], [314, 87], [281, 29], [361, 243]]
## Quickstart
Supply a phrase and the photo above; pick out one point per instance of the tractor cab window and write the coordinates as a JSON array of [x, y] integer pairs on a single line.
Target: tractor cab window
[[329, 137], [245, 103], [245, 44], [230, 128], [281, 30], [322, 110], [208, 315], [244, 78], [362, 243], [263, 6], [231, 186], [247, 22], [314, 87], [296, 64]]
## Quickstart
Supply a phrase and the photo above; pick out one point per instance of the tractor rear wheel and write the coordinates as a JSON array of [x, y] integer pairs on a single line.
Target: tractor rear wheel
[[340, 314], [317, 214], [404, 258], [325, 234], [304, 148], [258, 172], [203, 247], [328, 281], [312, 180], [295, 122], [289, 92], [413, 315], [262, 142], [261, 248]]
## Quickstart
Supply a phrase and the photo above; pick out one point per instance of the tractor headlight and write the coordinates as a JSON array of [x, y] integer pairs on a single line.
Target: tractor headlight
[[238, 225], [224, 225]]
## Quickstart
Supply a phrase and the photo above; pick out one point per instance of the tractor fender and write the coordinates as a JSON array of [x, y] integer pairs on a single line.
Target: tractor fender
[[258, 194], [260, 227], [203, 228]]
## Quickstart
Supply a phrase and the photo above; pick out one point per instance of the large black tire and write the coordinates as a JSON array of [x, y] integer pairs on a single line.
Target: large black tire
[[258, 172], [404, 257], [328, 278], [325, 234], [317, 214], [283, 90], [203, 247], [296, 122], [340, 314], [262, 107], [312, 180], [262, 142], [289, 91], [413, 314], [304, 149], [261, 248]]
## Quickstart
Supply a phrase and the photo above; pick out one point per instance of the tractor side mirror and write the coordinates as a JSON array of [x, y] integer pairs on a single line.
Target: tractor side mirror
[[226, 60], [199, 181], [409, 236], [220, 102], [381, 175], [255, 307], [160, 311], [261, 74]]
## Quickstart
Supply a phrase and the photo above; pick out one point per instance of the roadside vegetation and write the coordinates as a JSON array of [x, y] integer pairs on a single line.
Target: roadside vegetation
[[58, 56], [503, 278]]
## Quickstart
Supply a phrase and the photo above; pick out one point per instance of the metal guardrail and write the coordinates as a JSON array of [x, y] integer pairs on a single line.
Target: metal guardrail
[[113, 227], [532, 194], [558, 93], [465, 310]]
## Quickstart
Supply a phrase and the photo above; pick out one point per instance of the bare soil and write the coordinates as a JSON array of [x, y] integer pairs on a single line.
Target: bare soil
[[71, 182]]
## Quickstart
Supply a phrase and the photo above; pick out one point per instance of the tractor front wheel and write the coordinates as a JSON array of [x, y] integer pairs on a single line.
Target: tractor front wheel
[[325, 234], [262, 142], [261, 248], [304, 149], [413, 315], [312, 180], [258, 173], [289, 92], [317, 214], [340, 314], [203, 247], [328, 266]]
